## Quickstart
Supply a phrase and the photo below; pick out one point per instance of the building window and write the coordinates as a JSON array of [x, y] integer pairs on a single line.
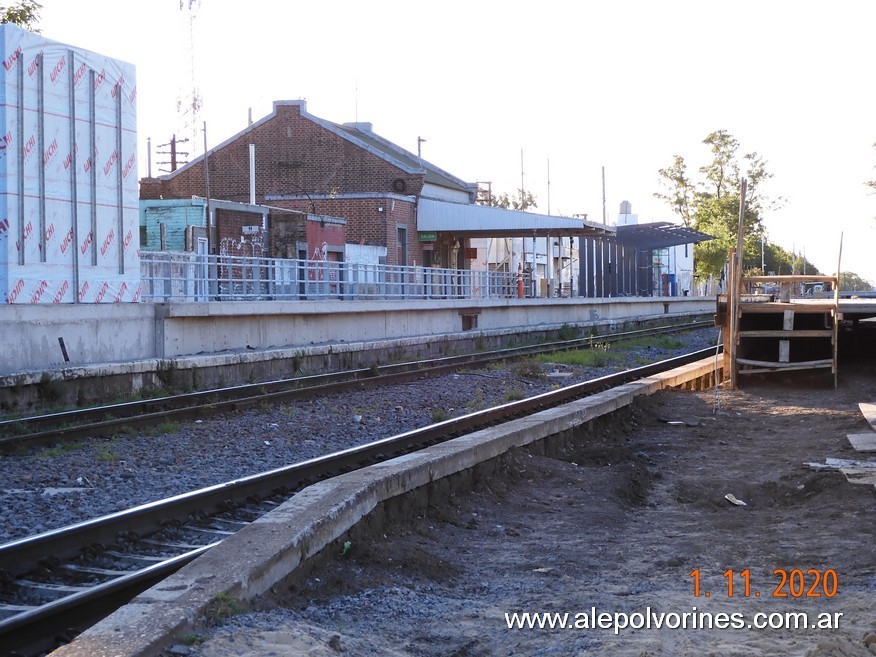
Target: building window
[[402, 246]]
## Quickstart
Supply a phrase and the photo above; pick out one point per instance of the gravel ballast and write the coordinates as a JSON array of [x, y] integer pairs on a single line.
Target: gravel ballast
[[53, 487], [630, 523]]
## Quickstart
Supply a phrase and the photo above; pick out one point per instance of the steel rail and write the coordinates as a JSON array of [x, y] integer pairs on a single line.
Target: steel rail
[[47, 626], [154, 515], [47, 551], [79, 423]]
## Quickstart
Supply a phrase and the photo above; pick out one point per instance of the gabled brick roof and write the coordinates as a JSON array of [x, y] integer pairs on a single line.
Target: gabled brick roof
[[363, 132]]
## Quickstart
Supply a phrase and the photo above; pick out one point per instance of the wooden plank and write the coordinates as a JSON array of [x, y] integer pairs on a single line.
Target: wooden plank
[[788, 320], [784, 351], [776, 333], [802, 365], [847, 463], [865, 476], [869, 412], [839, 464], [836, 312], [863, 442], [780, 307], [796, 278]]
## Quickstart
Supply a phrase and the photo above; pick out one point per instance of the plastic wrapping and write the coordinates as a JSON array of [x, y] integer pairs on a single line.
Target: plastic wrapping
[[69, 230]]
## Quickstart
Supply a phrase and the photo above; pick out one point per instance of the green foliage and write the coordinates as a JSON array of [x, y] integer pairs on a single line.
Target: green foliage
[[49, 389], [105, 454], [652, 342], [567, 332], [598, 355], [679, 194], [711, 203], [477, 402], [780, 262], [58, 450], [711, 254], [514, 393], [25, 13], [851, 282], [161, 429], [439, 415], [223, 607], [521, 200], [871, 183], [528, 368]]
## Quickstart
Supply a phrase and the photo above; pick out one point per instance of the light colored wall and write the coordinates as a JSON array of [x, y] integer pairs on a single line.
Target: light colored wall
[[95, 334], [92, 333], [364, 254], [444, 194]]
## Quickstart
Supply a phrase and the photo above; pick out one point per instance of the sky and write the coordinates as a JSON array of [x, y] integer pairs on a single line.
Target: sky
[[548, 95]]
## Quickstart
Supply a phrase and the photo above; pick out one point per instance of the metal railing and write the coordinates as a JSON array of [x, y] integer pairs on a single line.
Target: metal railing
[[185, 276]]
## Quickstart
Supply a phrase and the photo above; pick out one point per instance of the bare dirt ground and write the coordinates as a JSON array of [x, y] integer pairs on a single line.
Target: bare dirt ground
[[616, 525]]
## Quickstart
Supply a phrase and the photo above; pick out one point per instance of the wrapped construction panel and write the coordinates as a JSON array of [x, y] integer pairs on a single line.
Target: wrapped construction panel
[[68, 174]]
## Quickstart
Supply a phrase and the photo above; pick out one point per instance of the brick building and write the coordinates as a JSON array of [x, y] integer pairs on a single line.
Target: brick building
[[339, 176]]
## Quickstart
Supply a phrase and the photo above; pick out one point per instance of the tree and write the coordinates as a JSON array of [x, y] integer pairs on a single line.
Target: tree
[[679, 189], [781, 262], [522, 200], [25, 13], [851, 282], [710, 204], [872, 183]]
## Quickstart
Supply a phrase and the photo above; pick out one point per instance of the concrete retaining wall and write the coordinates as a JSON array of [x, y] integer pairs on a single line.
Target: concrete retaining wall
[[95, 334], [117, 352], [91, 333]]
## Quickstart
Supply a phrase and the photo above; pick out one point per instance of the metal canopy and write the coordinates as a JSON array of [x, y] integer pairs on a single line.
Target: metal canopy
[[658, 235], [468, 220]]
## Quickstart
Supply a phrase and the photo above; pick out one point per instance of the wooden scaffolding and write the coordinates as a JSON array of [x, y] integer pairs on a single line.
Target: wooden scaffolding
[[774, 326], [775, 323]]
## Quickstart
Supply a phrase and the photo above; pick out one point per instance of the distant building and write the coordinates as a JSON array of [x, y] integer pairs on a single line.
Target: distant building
[[326, 173], [390, 205]]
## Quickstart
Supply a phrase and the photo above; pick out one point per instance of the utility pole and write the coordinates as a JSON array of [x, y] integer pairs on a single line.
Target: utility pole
[[549, 186], [211, 242], [173, 152], [522, 186], [762, 262], [521, 202]]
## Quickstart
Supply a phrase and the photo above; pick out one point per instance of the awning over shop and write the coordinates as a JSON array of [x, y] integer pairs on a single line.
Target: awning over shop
[[485, 221]]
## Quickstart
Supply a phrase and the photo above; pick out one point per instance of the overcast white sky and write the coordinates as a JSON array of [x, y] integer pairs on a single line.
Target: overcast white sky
[[623, 85]]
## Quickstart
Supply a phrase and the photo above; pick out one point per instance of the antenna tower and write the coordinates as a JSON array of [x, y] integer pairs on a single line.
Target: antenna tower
[[189, 101]]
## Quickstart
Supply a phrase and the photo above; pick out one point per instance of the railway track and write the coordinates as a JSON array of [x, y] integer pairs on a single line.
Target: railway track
[[51, 428], [56, 584]]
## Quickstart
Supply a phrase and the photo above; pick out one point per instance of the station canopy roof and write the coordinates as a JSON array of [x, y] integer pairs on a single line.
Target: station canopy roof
[[658, 235], [467, 220]]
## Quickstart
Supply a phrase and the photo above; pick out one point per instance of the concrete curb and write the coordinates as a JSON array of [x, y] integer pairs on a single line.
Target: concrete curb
[[250, 562]]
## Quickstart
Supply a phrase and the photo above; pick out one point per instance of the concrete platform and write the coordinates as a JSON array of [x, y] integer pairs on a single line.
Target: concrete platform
[[265, 553], [120, 351], [59, 336]]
